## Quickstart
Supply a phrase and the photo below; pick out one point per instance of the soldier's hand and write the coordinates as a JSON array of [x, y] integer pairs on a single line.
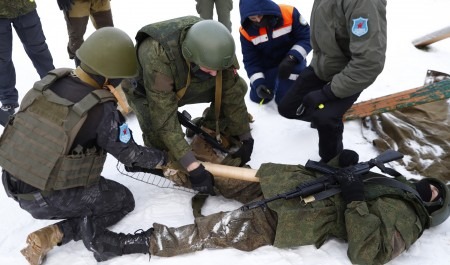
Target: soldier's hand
[[352, 186], [202, 180], [65, 5], [245, 151]]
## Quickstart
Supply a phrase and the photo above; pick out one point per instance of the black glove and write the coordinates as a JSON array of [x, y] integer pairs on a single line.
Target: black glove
[[202, 180], [317, 97], [352, 187], [286, 66], [245, 151], [65, 5], [264, 92], [348, 158]]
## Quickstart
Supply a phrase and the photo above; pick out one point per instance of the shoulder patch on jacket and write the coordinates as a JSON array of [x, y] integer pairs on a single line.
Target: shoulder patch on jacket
[[360, 26], [124, 134]]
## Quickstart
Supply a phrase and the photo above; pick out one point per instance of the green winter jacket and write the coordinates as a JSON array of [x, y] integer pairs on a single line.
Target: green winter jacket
[[377, 230], [163, 73], [16, 8], [348, 38]]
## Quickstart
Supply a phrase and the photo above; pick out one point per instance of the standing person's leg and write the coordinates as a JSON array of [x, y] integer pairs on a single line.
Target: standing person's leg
[[205, 8], [29, 30], [76, 21], [101, 14], [223, 9], [8, 92], [331, 127]]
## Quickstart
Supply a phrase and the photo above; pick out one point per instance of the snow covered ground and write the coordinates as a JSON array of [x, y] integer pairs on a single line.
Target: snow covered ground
[[276, 140]]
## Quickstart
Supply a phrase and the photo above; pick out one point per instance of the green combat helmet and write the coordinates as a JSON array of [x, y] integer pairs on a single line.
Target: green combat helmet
[[109, 52], [440, 215], [208, 43]]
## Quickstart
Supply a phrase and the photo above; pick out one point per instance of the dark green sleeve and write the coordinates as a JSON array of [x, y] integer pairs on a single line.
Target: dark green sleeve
[[161, 97], [380, 230], [368, 52]]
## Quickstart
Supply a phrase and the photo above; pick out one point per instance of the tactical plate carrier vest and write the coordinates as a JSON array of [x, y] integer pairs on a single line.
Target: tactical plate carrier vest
[[35, 145]]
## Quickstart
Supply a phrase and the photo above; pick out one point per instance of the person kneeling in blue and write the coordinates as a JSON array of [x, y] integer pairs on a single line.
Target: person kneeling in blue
[[275, 41]]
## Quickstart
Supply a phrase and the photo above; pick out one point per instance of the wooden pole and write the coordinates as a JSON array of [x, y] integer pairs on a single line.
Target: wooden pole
[[408, 98], [432, 37], [224, 171]]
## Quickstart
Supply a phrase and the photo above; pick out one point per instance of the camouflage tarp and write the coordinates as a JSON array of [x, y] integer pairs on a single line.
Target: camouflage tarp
[[421, 133]]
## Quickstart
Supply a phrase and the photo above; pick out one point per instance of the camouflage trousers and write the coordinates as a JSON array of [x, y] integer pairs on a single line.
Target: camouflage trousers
[[243, 230], [77, 18]]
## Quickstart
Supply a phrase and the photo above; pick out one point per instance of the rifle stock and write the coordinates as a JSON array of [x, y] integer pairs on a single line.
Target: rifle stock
[[326, 181], [186, 122]]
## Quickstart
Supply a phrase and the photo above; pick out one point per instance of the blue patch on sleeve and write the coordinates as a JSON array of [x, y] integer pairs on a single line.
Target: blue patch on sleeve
[[124, 134], [360, 26]]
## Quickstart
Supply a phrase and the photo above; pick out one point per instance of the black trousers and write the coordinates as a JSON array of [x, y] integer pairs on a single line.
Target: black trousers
[[328, 120], [29, 30], [106, 202]]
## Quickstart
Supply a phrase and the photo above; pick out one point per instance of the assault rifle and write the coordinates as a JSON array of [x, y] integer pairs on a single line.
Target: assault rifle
[[326, 185], [185, 120]]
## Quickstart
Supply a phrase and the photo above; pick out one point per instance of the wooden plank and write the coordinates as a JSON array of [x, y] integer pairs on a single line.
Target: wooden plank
[[400, 100], [432, 37]]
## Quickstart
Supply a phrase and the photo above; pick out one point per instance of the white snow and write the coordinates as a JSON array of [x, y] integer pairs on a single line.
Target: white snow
[[276, 140]]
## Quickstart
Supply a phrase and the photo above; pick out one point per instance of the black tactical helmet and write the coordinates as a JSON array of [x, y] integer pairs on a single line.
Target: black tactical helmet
[[208, 43], [109, 52]]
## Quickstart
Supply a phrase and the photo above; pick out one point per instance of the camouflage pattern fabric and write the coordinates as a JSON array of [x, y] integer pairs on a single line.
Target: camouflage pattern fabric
[[422, 133], [16, 8], [389, 218], [237, 229], [156, 107]]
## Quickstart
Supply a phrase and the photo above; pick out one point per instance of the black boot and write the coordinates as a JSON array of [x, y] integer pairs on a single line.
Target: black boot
[[109, 244]]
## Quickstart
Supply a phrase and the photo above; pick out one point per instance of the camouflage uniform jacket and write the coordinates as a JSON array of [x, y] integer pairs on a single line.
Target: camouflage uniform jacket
[[16, 8], [355, 56], [162, 75], [377, 230]]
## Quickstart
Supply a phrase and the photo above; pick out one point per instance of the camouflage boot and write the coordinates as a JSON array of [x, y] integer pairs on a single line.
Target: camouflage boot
[[40, 242]]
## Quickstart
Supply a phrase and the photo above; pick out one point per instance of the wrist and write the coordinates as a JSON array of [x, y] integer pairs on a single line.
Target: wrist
[[195, 166], [328, 92], [187, 160]]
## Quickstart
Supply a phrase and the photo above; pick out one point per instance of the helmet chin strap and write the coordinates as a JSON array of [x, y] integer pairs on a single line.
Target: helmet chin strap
[[120, 100], [80, 73]]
